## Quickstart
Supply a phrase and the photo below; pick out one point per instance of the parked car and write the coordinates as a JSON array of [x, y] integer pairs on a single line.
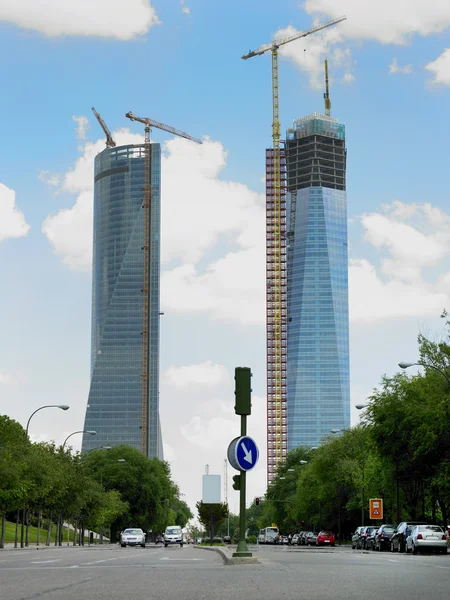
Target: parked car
[[294, 538], [284, 539], [365, 535], [398, 539], [356, 536], [301, 540], [132, 537], [159, 539], [427, 537], [311, 538], [383, 537], [227, 539], [325, 538]]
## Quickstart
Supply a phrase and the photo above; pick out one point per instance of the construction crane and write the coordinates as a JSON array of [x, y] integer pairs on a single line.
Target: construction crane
[[326, 95], [149, 123], [110, 143], [276, 269]]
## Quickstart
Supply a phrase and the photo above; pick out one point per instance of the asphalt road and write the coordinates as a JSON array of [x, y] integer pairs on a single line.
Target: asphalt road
[[188, 573]]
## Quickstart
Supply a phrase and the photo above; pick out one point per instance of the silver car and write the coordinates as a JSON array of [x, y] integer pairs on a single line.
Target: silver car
[[430, 537], [132, 537]]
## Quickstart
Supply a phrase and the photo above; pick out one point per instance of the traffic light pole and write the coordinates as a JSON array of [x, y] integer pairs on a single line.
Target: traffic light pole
[[242, 550]]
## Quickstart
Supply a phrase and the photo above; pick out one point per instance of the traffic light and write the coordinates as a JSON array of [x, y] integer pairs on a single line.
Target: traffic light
[[257, 501], [236, 482], [242, 391]]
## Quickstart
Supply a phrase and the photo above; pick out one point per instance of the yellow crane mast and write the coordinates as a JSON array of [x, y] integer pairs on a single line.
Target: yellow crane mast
[[146, 205], [276, 271], [326, 95], [110, 143]]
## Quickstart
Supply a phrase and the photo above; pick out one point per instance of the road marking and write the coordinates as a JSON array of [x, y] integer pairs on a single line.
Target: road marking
[[41, 562], [168, 558], [392, 560]]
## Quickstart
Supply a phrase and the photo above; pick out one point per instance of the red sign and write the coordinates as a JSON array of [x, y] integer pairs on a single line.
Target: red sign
[[376, 508]]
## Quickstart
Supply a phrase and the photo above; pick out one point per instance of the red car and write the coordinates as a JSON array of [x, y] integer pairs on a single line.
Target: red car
[[325, 538]]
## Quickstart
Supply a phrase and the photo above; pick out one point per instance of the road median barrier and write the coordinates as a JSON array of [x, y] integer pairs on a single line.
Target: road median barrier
[[228, 560]]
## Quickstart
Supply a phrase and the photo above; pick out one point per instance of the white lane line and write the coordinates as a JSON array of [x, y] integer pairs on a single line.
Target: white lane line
[[392, 560], [41, 562], [167, 558]]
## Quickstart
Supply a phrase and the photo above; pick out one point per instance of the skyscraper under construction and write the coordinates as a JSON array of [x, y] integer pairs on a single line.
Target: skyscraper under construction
[[116, 409], [318, 372]]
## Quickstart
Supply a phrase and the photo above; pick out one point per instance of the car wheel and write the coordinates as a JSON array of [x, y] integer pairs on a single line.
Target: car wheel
[[123, 545], [444, 550], [353, 546], [165, 545], [414, 549], [142, 545], [181, 545]]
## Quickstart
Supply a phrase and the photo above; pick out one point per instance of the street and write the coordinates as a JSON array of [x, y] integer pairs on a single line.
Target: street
[[171, 573]]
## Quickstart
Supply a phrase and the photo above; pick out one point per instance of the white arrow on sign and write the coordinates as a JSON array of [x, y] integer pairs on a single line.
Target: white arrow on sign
[[247, 453]]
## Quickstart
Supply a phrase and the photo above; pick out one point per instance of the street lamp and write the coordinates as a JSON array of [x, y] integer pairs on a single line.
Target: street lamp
[[98, 448], [361, 406], [406, 365], [61, 406], [362, 465], [81, 431]]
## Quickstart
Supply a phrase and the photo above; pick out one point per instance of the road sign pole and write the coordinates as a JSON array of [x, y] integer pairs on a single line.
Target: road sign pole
[[242, 548]]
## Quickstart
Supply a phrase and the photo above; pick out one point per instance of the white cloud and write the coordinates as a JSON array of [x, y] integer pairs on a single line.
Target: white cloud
[[12, 220], [310, 52], [395, 68], [348, 78], [48, 178], [184, 9], [82, 124], [102, 18], [414, 237], [372, 299], [441, 68], [7, 378], [384, 21], [206, 373]]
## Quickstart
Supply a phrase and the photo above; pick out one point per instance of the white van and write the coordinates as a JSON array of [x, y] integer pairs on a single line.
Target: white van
[[173, 535]]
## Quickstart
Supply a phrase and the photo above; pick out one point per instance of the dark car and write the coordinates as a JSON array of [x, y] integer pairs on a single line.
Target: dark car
[[227, 539], [383, 537], [356, 536], [398, 539], [369, 542], [364, 534]]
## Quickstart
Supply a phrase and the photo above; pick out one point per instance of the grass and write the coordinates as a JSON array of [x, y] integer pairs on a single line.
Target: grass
[[10, 529]]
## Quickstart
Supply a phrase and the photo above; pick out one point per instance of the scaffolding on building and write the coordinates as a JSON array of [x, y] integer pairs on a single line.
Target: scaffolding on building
[[276, 309]]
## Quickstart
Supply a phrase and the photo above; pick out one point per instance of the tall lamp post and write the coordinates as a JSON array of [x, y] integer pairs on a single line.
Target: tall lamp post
[[61, 406], [359, 438], [75, 432]]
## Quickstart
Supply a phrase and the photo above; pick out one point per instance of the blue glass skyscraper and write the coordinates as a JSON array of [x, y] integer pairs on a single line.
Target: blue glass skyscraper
[[115, 401], [318, 371]]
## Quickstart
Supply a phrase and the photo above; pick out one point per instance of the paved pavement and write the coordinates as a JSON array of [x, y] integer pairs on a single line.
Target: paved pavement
[[188, 573]]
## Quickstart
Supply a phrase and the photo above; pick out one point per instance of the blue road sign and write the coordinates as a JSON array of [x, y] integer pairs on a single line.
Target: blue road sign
[[243, 453]]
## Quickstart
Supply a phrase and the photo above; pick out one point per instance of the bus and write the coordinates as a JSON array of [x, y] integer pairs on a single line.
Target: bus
[[268, 535]]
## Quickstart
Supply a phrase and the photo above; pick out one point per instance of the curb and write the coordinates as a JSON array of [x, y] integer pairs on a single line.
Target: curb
[[230, 561]]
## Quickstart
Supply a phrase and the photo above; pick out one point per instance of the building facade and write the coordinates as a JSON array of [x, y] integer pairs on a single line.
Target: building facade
[[318, 371], [115, 405]]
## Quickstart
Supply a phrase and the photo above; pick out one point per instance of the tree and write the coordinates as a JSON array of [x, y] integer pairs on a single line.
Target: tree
[[211, 515]]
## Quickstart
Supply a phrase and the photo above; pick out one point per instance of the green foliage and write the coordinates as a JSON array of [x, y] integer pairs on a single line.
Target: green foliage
[[95, 491], [214, 514]]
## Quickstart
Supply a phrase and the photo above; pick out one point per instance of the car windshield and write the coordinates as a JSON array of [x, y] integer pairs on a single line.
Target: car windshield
[[173, 531], [389, 528], [430, 527], [326, 533], [133, 531]]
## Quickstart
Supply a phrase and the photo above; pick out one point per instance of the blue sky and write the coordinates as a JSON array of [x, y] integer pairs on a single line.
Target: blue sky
[[179, 63]]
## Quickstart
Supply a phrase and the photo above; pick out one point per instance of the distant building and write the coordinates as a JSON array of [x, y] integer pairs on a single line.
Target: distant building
[[115, 407], [318, 372]]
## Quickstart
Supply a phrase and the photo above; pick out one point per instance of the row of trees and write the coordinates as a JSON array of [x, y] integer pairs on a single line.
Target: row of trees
[[400, 452], [103, 489]]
